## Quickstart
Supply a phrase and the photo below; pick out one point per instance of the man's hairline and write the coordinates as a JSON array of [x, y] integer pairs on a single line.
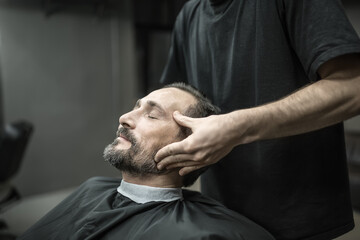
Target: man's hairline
[[196, 100]]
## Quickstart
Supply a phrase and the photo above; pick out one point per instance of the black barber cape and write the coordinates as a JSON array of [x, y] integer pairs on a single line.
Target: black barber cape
[[97, 211]]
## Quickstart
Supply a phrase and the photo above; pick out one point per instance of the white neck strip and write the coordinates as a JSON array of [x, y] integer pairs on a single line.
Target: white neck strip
[[144, 194]]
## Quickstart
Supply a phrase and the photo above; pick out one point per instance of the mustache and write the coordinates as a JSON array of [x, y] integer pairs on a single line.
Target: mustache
[[127, 134]]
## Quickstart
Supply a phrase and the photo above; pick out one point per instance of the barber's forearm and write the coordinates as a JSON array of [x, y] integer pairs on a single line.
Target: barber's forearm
[[319, 105]]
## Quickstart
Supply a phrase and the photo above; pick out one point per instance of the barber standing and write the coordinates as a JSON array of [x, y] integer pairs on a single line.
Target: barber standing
[[285, 73]]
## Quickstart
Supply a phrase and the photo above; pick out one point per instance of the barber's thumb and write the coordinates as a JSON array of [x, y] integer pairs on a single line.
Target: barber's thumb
[[181, 119]]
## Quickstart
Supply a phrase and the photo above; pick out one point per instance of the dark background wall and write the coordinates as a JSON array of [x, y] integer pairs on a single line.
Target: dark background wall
[[71, 72], [352, 8]]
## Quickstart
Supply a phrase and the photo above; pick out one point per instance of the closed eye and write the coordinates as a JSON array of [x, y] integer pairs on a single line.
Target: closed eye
[[151, 108], [152, 117]]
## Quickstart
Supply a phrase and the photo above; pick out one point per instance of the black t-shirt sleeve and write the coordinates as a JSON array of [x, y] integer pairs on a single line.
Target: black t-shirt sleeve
[[318, 30]]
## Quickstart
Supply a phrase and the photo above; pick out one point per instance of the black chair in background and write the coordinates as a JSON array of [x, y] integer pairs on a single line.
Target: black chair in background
[[12, 148], [13, 142]]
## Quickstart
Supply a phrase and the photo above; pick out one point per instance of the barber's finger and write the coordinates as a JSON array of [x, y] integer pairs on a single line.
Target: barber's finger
[[187, 170], [169, 150], [182, 164], [183, 120], [173, 160]]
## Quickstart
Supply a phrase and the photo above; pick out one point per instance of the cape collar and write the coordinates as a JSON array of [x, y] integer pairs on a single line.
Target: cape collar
[[144, 194]]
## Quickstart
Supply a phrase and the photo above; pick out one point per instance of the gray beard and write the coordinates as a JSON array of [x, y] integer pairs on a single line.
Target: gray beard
[[124, 159]]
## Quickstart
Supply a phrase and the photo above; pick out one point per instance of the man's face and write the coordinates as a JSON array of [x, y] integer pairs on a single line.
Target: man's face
[[146, 129]]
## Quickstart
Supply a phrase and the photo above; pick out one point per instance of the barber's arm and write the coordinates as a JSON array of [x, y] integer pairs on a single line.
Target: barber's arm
[[334, 98]]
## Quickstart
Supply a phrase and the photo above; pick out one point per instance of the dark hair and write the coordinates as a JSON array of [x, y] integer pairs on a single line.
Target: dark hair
[[202, 108]]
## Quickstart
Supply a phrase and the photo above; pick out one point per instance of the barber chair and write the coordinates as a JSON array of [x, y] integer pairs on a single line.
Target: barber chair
[[13, 143], [12, 148], [353, 154]]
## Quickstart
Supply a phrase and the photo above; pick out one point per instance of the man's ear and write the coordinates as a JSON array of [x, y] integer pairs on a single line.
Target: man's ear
[[184, 132]]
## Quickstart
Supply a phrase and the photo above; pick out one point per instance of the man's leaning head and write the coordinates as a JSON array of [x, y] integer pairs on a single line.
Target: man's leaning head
[[150, 126]]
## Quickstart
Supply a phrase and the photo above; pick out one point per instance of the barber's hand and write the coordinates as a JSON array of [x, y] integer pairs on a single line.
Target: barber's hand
[[208, 143]]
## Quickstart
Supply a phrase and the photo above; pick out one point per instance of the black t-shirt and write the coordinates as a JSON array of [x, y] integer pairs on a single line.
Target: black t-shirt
[[243, 54]]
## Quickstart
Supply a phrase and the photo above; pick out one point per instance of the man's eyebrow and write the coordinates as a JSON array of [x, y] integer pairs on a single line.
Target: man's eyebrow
[[151, 104], [156, 105]]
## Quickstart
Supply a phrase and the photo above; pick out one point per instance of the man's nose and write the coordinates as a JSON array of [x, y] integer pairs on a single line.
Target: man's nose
[[127, 120]]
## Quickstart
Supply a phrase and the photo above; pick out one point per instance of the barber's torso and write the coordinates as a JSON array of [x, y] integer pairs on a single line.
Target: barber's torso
[[243, 54]]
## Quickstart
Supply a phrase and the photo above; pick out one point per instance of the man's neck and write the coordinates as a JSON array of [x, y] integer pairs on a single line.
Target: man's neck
[[169, 180]]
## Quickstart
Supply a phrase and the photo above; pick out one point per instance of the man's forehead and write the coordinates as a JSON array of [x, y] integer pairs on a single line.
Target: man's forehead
[[171, 98]]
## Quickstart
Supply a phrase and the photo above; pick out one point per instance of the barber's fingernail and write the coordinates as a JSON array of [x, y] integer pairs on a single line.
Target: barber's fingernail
[[159, 167]]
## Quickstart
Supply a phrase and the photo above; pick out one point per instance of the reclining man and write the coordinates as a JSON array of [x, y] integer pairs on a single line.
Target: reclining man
[[148, 204]]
